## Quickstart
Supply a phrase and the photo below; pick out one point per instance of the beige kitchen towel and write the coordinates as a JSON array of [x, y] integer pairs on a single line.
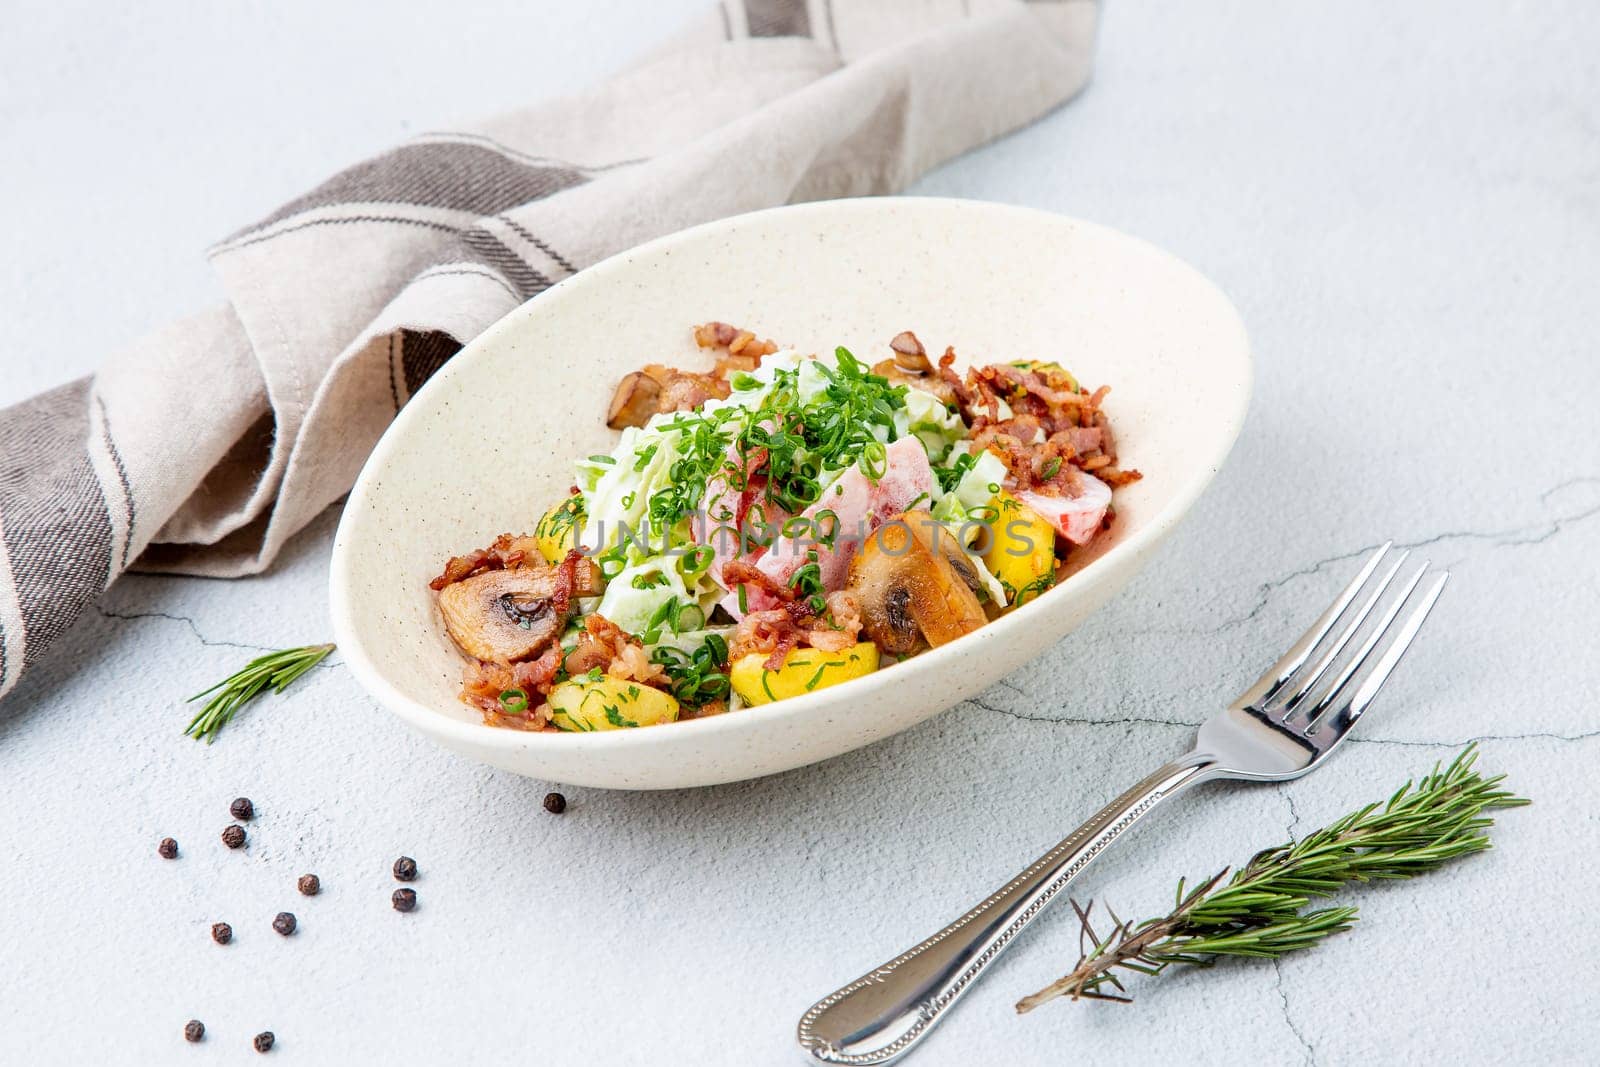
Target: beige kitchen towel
[[202, 448]]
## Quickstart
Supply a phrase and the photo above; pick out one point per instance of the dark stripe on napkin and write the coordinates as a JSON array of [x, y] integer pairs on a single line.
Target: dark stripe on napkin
[[52, 512]]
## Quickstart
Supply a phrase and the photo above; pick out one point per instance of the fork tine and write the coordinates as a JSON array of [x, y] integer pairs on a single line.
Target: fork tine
[[1304, 686], [1370, 681], [1280, 672], [1331, 689]]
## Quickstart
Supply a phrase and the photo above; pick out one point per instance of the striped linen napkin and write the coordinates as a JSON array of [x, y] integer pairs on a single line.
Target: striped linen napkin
[[203, 447]]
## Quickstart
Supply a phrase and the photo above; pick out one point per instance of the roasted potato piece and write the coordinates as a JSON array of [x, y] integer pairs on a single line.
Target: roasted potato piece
[[1021, 549], [907, 589], [557, 532], [586, 704], [804, 670]]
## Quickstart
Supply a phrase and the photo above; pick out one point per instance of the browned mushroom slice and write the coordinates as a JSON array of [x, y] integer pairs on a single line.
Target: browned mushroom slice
[[927, 383], [908, 590], [959, 561], [911, 366], [909, 355], [505, 616], [638, 397]]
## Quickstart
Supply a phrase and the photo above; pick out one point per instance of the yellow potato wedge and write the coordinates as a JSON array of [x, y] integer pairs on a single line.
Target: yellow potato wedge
[[804, 670], [586, 704], [1021, 549], [557, 531]]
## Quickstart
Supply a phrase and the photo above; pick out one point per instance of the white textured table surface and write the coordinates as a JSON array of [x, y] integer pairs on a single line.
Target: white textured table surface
[[1404, 201]]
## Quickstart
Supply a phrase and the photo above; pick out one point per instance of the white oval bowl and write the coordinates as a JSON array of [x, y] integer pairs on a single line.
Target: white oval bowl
[[489, 443]]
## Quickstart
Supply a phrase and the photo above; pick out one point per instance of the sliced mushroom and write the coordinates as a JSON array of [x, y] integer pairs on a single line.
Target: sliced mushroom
[[909, 355], [510, 615], [911, 366], [908, 590], [929, 383], [959, 561], [638, 397]]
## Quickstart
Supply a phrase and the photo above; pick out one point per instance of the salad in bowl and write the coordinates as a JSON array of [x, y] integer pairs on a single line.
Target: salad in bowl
[[778, 524]]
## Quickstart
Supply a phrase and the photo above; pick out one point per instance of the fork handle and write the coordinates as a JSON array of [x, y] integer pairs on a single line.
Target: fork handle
[[879, 1017]]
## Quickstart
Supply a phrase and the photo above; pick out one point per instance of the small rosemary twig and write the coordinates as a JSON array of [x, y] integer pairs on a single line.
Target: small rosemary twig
[[1259, 911], [275, 670]]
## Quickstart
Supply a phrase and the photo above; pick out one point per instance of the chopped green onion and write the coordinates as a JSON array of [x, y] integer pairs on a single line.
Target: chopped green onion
[[696, 560], [874, 461], [690, 617]]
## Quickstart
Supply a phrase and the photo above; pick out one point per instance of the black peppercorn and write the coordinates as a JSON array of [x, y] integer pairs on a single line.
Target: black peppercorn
[[284, 923], [264, 1040], [555, 803], [233, 836], [242, 809], [221, 933], [404, 899], [309, 885], [168, 848], [405, 869], [194, 1030]]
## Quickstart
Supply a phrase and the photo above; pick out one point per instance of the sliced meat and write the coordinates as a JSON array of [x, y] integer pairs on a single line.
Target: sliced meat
[[506, 551], [1077, 518], [728, 517], [859, 507]]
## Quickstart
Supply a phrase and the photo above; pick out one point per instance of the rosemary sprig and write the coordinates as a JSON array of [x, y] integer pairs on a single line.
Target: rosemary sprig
[[1260, 912], [275, 670]]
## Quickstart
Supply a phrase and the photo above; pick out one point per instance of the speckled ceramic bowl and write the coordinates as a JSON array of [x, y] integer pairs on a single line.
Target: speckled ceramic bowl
[[490, 441]]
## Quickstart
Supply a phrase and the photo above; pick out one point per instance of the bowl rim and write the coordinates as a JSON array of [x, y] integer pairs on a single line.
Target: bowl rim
[[429, 720]]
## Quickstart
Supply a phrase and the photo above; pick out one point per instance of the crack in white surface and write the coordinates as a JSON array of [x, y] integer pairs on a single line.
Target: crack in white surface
[[1068, 721], [199, 635], [194, 628], [1535, 735], [1288, 1017], [1294, 813], [1519, 536]]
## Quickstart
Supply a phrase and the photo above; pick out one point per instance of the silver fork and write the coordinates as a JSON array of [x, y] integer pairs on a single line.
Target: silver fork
[[1280, 728]]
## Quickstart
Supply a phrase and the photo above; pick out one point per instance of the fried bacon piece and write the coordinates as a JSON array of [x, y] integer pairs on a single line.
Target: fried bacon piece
[[506, 552], [616, 652], [1055, 428], [484, 682], [601, 644], [738, 572], [656, 388], [775, 631], [966, 399], [840, 626], [743, 351], [763, 632]]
